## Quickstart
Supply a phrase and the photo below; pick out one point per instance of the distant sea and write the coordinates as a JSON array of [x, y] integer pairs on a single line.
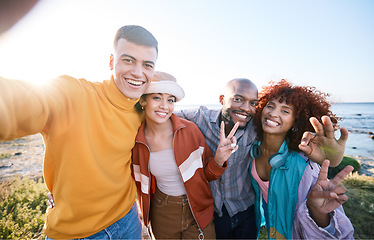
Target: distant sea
[[358, 118]]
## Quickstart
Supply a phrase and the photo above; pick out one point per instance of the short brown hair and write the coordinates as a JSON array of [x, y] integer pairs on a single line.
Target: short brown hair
[[136, 34]]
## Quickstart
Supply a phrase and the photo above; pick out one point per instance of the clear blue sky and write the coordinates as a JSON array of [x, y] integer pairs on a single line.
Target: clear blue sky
[[328, 44]]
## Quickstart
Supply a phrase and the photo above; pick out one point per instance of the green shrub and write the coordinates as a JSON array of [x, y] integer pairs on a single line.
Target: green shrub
[[23, 206], [345, 162]]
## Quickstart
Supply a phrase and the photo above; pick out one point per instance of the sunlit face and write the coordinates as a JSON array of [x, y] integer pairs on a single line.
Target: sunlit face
[[158, 107], [239, 103], [133, 67], [277, 118]]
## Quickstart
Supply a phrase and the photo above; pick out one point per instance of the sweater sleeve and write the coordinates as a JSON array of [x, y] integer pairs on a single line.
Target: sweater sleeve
[[28, 109], [304, 227]]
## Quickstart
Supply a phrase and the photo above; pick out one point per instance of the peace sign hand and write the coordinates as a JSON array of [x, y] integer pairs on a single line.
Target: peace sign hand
[[227, 145], [326, 196]]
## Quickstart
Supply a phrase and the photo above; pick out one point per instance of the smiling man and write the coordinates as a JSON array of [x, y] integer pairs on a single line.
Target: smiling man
[[239, 102], [234, 216], [132, 66], [89, 130]]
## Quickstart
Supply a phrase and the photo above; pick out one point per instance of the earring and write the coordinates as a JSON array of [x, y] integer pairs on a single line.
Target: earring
[[142, 107], [294, 129]]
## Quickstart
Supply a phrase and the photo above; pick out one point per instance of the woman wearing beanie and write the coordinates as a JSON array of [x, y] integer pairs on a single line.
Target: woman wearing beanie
[[172, 165]]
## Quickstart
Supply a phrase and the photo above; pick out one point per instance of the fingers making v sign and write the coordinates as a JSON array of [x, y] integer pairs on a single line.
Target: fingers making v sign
[[227, 145], [325, 196]]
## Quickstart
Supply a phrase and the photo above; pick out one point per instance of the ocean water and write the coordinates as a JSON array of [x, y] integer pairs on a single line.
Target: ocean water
[[358, 118]]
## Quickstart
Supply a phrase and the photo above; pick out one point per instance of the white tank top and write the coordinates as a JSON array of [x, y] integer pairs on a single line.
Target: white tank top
[[162, 165]]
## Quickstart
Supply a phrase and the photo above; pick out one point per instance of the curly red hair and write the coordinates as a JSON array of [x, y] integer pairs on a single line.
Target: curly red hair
[[307, 101]]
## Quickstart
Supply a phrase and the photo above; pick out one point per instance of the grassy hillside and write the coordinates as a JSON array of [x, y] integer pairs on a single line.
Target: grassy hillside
[[360, 206]]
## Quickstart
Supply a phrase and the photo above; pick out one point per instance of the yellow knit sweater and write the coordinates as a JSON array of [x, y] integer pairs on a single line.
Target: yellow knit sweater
[[89, 130]]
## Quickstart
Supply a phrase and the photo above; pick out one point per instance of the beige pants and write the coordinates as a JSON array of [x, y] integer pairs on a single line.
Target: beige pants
[[171, 218]]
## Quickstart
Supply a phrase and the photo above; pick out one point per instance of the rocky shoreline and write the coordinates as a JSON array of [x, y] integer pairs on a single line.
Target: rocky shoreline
[[24, 157]]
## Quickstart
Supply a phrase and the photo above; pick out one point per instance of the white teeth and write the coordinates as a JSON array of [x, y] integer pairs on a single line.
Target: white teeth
[[241, 116], [271, 123], [161, 113], [133, 82]]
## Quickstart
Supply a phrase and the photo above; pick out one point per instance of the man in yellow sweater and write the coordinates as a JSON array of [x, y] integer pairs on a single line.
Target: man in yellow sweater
[[89, 130]]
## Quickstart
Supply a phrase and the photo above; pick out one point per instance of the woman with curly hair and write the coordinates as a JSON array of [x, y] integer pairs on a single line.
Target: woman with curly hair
[[294, 198]]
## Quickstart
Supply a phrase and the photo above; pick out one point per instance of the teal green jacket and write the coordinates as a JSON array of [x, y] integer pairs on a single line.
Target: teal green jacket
[[282, 196]]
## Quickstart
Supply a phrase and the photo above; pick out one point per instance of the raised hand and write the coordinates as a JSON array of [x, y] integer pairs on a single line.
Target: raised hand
[[227, 145], [326, 196], [323, 145]]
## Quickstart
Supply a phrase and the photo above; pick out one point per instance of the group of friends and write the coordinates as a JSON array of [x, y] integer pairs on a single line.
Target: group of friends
[[262, 159]]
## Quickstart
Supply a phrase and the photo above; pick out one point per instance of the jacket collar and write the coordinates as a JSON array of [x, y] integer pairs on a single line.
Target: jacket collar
[[177, 123], [214, 117]]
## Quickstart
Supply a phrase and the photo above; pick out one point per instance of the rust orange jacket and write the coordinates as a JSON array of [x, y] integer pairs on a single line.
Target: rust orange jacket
[[195, 163]]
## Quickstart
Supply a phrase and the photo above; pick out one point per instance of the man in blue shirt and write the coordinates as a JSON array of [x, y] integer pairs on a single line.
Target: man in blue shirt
[[233, 193]]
